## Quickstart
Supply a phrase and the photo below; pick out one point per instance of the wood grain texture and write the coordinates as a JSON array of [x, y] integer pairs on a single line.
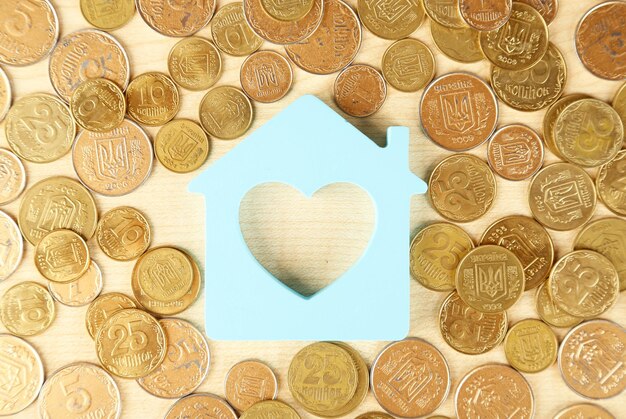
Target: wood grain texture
[[177, 217]]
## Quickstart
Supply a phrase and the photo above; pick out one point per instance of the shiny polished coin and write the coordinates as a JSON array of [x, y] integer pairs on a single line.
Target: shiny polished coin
[[584, 284], [23, 370], [131, 344], [5, 94], [592, 359], [98, 105], [240, 395], [435, 254], [462, 188], [87, 54], [486, 15], [62, 256], [270, 409], [494, 388], [194, 63], [333, 45], [288, 11], [562, 196], [115, 162], [12, 177], [176, 18], [107, 15], [153, 99], [520, 43], [462, 45], [374, 415], [164, 273], [619, 103], [530, 346], [584, 410], [360, 90], [458, 111], [408, 65], [181, 146], [27, 309], [402, 364], [445, 13], [226, 112], [550, 312], [279, 31], [81, 291], [515, 152], [389, 20], [547, 8], [123, 233], [12, 246], [600, 41], [186, 363], [266, 76], [201, 405], [104, 307], [363, 383], [80, 390], [490, 279], [30, 30], [550, 117], [611, 184], [467, 330], [39, 128], [232, 33]]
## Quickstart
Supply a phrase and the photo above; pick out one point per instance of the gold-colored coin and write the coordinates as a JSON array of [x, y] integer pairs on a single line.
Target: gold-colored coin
[[176, 18], [107, 15], [39, 128], [152, 99], [280, 31], [619, 103], [164, 273], [547, 8], [195, 63], [80, 292], [363, 383], [21, 362], [584, 284], [530, 346], [80, 390], [247, 371], [486, 15], [360, 90], [62, 256], [611, 184], [104, 307], [445, 13], [550, 312], [408, 65], [374, 415], [226, 112], [435, 253], [201, 405], [550, 117], [181, 146], [123, 233], [562, 196], [584, 410], [12, 176], [288, 11], [98, 105], [388, 21], [232, 33], [5, 94], [490, 279], [27, 309], [12, 246], [462, 45], [131, 344], [270, 409]]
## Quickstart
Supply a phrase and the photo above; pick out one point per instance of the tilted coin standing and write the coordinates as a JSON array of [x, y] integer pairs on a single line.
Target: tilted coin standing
[[462, 45], [515, 152], [408, 65], [550, 312], [5, 94], [445, 13], [584, 410], [226, 112], [152, 98], [98, 105], [530, 346], [181, 146], [123, 233], [231, 32], [387, 20], [270, 409], [104, 307], [611, 185], [62, 256], [81, 291], [201, 405], [360, 90], [239, 374], [266, 76], [107, 16], [195, 63], [13, 246], [164, 273], [176, 18], [12, 176], [488, 15], [22, 362], [27, 309], [282, 32]]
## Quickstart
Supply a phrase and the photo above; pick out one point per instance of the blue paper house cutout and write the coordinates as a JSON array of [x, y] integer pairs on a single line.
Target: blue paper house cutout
[[308, 146]]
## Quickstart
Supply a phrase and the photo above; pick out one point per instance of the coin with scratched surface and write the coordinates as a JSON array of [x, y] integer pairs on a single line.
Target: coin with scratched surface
[[550, 312], [239, 391], [280, 31], [226, 112], [288, 11], [445, 13], [27, 309], [29, 32], [400, 365], [62, 256], [408, 65], [12, 176], [611, 184], [13, 246], [201, 405], [123, 233], [547, 8], [584, 410], [176, 18], [194, 63], [266, 76], [389, 21], [81, 291], [104, 307], [592, 359], [515, 152], [80, 390], [270, 409], [232, 33], [486, 15], [530, 346], [164, 273], [107, 15], [98, 105], [152, 99], [374, 415], [360, 90], [550, 117], [462, 45], [21, 366], [181, 146], [5, 94]]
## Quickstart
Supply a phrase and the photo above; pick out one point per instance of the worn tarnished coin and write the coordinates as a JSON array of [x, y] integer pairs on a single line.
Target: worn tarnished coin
[[164, 273], [547, 8], [62, 256], [467, 330], [618, 103], [515, 152], [226, 112], [600, 40], [123, 233], [87, 54], [530, 346], [550, 312], [584, 284], [266, 76], [445, 13], [408, 65], [486, 15], [584, 410], [5, 94], [194, 63], [462, 188], [238, 387], [186, 363], [152, 98], [550, 117], [12, 176], [374, 415], [288, 11], [30, 30], [39, 128], [12, 246], [98, 105], [462, 45], [562, 196], [23, 373], [494, 389], [592, 359], [109, 14], [181, 146], [611, 184], [402, 364], [104, 307], [363, 383], [201, 405], [270, 409], [435, 253], [360, 90], [232, 33], [176, 18], [80, 390], [280, 31], [390, 20], [81, 291], [27, 309]]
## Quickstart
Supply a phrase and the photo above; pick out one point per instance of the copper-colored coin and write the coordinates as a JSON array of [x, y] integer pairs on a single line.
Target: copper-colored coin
[[98, 105], [467, 330], [201, 405], [445, 13], [81, 291], [619, 103], [458, 111], [486, 15], [494, 389], [181, 146], [107, 15], [153, 99], [515, 152], [390, 20], [62, 256], [374, 415], [462, 45], [562, 196], [402, 364], [462, 188], [5, 94], [279, 31], [226, 112], [270, 409], [266, 76], [80, 390], [232, 33], [360, 90], [530, 346], [29, 32], [584, 410], [115, 162], [176, 18], [547, 8], [334, 43], [408, 65], [195, 63], [12, 246], [23, 371], [12, 176], [592, 359], [600, 41], [123, 233], [87, 54], [550, 312], [27, 309], [550, 117], [248, 383], [104, 307], [164, 273], [611, 184], [288, 11]]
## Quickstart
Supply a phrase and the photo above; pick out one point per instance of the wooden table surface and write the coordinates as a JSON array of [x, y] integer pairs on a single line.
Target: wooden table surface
[[177, 217]]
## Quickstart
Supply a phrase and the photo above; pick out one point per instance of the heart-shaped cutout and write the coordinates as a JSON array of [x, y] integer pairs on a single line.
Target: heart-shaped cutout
[[305, 242]]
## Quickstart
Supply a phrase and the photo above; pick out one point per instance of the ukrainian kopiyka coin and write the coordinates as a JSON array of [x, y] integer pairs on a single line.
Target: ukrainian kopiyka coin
[[62, 256], [550, 118], [486, 15], [515, 152], [174, 285], [5, 94], [530, 346], [387, 20], [232, 33], [363, 383], [619, 103], [408, 65], [256, 371], [611, 184], [81, 291], [104, 307], [600, 40], [176, 18], [181, 146], [445, 13], [123, 233], [98, 105], [550, 312], [226, 112], [279, 31], [13, 246], [360, 90], [107, 15], [547, 8], [152, 98], [374, 415], [195, 63], [584, 410], [20, 362], [12, 176], [201, 405], [288, 11], [27, 309], [266, 76], [462, 45], [270, 409]]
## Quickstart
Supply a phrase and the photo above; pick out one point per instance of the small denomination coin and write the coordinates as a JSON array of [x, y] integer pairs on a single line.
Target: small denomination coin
[[164, 273], [62, 256], [360, 90], [107, 15], [363, 383], [270, 409], [27, 309], [592, 359], [584, 410], [391, 378], [232, 33], [249, 371], [266, 76], [611, 184], [618, 103], [530, 346], [226, 112], [46, 140], [515, 152], [181, 146], [152, 98], [5, 94], [176, 18], [21, 366], [547, 8], [445, 13], [98, 105], [201, 405], [288, 11], [550, 118], [462, 45], [467, 330], [408, 65], [123, 233], [280, 31], [550, 312], [80, 390], [387, 20], [104, 307], [195, 63], [12, 176], [486, 15], [374, 415], [12, 246], [81, 291]]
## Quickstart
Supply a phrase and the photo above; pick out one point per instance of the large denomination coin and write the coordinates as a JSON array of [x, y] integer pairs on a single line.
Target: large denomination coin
[[386, 20], [270, 409], [104, 307], [5, 94], [201, 405], [181, 146], [530, 346], [27, 309], [13, 246], [280, 31], [80, 292], [164, 273], [152, 98], [408, 65], [515, 152], [250, 371], [232, 33], [195, 63], [123, 233], [107, 15], [176, 18], [584, 410], [12, 176], [22, 367], [486, 15], [226, 112], [445, 12], [462, 45], [266, 76], [62, 256], [549, 121], [98, 105], [360, 90], [550, 312], [611, 184]]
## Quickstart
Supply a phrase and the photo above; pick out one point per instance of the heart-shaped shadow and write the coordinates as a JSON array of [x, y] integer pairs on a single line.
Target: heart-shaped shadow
[[305, 242]]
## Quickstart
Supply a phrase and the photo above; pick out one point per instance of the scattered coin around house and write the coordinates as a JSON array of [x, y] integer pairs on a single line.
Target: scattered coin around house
[[12, 246], [98, 105], [12, 176], [104, 307], [270, 409], [530, 346], [20, 360], [226, 112], [610, 184], [201, 405], [195, 63], [176, 18], [547, 8], [584, 410], [360, 90], [515, 152], [27, 309], [152, 98], [181, 146], [231, 32], [486, 15], [408, 65], [387, 20], [106, 15], [239, 374], [282, 32], [445, 13], [266, 76], [62, 256], [462, 45], [550, 312], [81, 291], [5, 94], [159, 286]]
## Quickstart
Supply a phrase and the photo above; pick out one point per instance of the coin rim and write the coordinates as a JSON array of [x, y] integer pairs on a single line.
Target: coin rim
[[89, 309], [169, 34], [232, 5], [7, 82], [96, 24], [599, 179], [20, 241], [545, 319], [202, 394], [68, 303]]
